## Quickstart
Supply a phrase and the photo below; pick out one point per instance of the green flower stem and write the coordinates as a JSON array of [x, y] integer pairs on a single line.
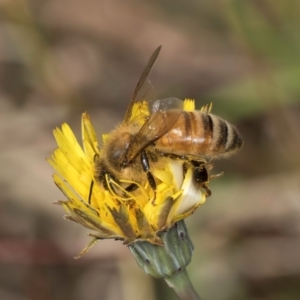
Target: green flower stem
[[169, 260], [182, 286]]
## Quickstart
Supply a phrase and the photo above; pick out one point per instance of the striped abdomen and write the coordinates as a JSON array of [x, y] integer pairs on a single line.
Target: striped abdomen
[[199, 134]]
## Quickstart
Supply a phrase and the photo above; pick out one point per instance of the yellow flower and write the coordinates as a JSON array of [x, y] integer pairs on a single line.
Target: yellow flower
[[134, 217]]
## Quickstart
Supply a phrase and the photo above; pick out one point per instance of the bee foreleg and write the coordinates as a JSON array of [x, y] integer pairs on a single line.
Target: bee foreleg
[[146, 168], [132, 187], [91, 191]]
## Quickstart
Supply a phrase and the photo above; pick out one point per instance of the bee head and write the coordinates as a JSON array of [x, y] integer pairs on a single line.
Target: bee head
[[117, 149]]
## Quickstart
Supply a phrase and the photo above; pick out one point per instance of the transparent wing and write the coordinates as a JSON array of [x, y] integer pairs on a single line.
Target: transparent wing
[[143, 91], [163, 117], [163, 105]]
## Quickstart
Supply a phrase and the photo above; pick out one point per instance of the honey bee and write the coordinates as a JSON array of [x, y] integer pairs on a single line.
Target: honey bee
[[137, 144]]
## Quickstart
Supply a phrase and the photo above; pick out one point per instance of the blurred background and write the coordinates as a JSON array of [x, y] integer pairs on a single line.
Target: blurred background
[[61, 58]]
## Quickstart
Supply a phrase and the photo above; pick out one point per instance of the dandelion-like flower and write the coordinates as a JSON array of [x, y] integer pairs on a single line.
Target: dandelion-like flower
[[104, 193], [133, 216]]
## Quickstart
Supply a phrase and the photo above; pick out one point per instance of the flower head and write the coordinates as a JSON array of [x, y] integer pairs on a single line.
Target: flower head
[[129, 216]]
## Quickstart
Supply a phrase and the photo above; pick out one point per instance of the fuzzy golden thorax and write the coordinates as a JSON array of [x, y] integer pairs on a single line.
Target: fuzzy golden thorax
[[113, 157]]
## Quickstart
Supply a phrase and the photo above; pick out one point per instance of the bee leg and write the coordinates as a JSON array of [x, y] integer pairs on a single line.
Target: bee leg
[[146, 168], [91, 191], [132, 187], [216, 175], [151, 181], [207, 190], [96, 171], [201, 177]]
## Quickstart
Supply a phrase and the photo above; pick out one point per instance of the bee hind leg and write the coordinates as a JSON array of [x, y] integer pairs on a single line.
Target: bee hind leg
[[201, 176], [207, 189], [200, 173], [146, 168]]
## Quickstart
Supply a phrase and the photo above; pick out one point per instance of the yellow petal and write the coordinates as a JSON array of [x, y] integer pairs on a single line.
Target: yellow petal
[[115, 212], [189, 105], [192, 195], [89, 138]]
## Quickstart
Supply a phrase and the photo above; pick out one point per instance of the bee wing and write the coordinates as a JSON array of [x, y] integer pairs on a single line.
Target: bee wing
[[163, 105], [143, 91], [164, 115]]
